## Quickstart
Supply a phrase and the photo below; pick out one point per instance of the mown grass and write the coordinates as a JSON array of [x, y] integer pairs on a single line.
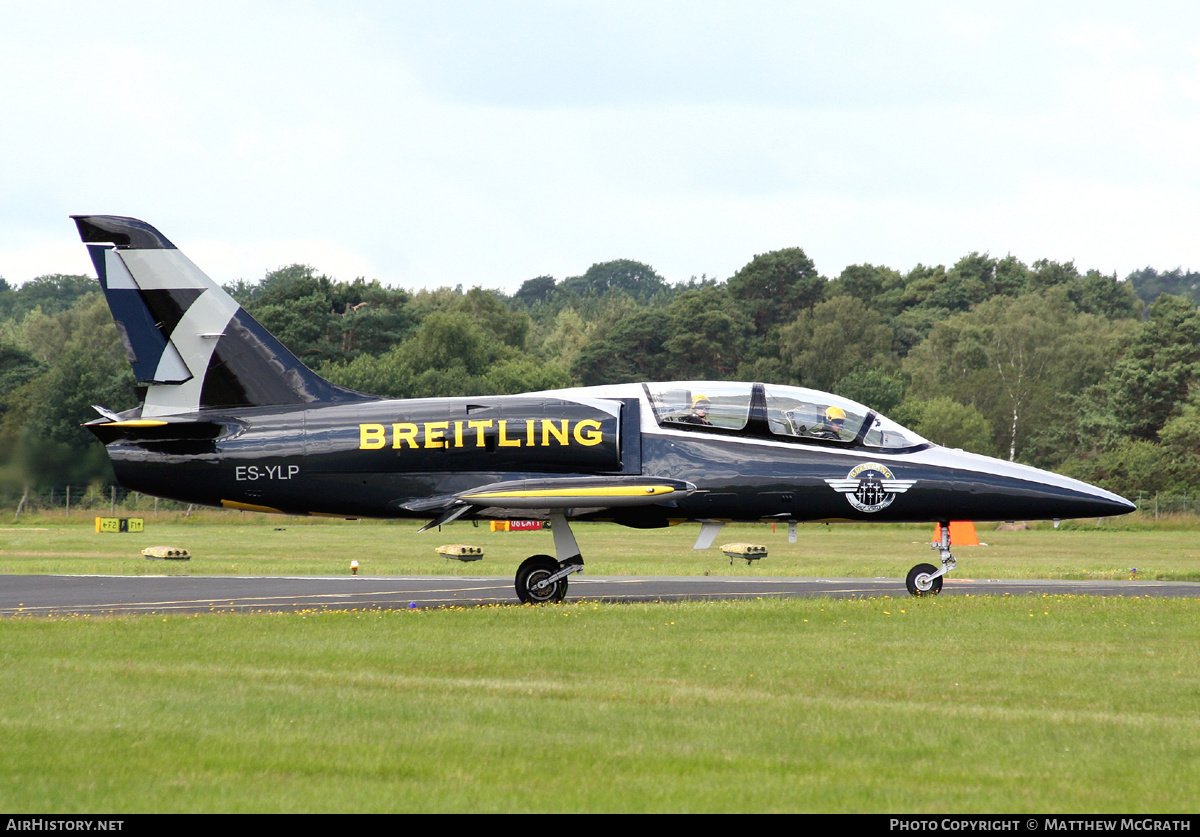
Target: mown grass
[[963, 704], [253, 544], [959, 704]]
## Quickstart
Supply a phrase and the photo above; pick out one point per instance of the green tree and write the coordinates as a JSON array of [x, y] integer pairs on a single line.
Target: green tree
[[630, 350], [1013, 359], [373, 318], [834, 338], [877, 389], [79, 362], [566, 338], [625, 276], [321, 320], [881, 288], [1180, 438], [451, 353], [1149, 284], [17, 367], [1159, 367], [1131, 466], [947, 422], [52, 293], [1095, 293], [774, 287], [707, 335], [535, 292]]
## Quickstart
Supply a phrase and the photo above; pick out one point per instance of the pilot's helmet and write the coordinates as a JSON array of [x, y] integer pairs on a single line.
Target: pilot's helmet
[[700, 402], [835, 414]]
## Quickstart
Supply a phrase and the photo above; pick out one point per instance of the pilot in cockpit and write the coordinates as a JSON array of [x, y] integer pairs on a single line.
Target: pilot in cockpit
[[699, 411], [834, 426]]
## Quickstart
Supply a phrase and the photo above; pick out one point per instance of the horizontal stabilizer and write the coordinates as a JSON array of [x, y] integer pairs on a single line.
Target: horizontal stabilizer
[[157, 430]]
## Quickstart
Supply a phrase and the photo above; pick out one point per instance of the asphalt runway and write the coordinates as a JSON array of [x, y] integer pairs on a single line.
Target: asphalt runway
[[47, 595]]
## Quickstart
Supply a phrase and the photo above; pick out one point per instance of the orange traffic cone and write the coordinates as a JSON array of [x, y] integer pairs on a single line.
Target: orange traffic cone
[[962, 533]]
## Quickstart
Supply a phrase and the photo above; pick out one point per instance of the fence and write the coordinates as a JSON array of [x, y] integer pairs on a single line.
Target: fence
[[1162, 502], [85, 500]]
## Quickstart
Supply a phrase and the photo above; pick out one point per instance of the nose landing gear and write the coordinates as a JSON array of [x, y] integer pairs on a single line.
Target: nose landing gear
[[926, 579]]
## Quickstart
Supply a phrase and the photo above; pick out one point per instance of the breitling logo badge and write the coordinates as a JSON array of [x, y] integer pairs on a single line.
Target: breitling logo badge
[[870, 487]]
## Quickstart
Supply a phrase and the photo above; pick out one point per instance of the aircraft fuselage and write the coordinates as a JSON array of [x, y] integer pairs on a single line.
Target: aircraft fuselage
[[378, 458]]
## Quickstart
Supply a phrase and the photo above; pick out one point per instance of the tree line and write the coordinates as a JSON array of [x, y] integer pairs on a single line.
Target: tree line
[[1071, 370]]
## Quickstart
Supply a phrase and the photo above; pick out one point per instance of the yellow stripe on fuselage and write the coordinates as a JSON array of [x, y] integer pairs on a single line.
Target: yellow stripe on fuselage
[[135, 423], [614, 491]]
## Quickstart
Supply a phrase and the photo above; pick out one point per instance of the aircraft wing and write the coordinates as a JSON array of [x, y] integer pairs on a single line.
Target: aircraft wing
[[551, 494]]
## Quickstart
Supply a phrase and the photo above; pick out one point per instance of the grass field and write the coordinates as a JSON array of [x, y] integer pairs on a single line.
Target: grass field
[[960, 704], [256, 544], [956, 705]]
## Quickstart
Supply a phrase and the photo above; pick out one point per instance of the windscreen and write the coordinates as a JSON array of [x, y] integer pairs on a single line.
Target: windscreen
[[809, 413]]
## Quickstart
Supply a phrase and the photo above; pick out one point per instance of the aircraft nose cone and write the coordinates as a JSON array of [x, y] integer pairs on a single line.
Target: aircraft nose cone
[[983, 488], [1116, 504], [1082, 500]]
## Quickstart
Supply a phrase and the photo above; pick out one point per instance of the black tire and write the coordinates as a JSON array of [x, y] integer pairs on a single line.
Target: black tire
[[920, 584], [533, 570]]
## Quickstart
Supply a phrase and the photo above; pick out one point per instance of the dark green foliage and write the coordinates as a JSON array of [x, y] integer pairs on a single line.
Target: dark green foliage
[[707, 336], [1161, 364], [53, 293], [1181, 442], [880, 288], [1129, 467], [1051, 360], [834, 338], [774, 287], [624, 276], [17, 367], [61, 365], [948, 423], [630, 351], [873, 387], [535, 292], [1075, 429], [1095, 293], [321, 320], [1149, 284], [1014, 360], [451, 353]]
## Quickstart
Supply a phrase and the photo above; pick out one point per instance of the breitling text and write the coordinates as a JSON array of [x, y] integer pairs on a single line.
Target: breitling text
[[505, 433]]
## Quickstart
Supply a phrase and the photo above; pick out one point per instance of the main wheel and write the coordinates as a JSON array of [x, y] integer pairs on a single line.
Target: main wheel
[[533, 570], [920, 581]]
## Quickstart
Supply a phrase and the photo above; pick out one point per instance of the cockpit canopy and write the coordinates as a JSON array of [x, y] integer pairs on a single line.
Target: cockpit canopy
[[773, 411]]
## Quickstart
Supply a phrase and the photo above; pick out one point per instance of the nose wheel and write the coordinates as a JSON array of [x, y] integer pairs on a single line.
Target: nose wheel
[[922, 580], [926, 579]]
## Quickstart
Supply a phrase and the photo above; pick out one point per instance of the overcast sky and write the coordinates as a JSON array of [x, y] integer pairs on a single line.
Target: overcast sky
[[486, 143]]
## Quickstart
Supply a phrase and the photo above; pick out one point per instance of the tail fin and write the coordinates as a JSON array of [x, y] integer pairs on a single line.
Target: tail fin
[[188, 341]]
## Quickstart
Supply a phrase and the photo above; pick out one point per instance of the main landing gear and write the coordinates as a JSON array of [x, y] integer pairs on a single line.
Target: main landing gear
[[926, 579], [542, 579]]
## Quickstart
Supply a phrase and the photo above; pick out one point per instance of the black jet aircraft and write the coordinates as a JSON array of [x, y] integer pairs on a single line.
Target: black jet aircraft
[[230, 418]]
